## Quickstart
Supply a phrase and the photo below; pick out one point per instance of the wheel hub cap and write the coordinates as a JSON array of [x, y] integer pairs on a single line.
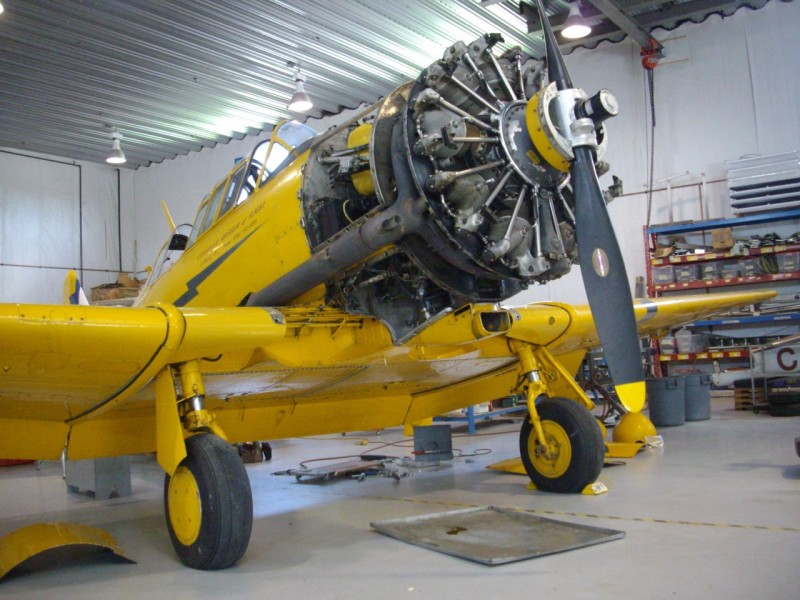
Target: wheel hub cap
[[554, 460], [185, 510]]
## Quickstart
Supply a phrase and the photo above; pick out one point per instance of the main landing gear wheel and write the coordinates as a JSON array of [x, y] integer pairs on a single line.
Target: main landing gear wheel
[[209, 505], [577, 445]]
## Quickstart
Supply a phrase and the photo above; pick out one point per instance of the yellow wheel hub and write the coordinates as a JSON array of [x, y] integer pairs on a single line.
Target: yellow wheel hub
[[554, 463], [185, 510]]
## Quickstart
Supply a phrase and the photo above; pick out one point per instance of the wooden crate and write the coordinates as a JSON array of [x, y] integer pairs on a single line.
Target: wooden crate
[[747, 399]]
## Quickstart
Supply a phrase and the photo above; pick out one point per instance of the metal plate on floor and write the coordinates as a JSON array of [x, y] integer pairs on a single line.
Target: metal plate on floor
[[494, 536]]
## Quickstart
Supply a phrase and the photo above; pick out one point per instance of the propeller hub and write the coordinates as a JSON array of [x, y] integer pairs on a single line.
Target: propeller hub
[[518, 146], [603, 105], [555, 128], [582, 133]]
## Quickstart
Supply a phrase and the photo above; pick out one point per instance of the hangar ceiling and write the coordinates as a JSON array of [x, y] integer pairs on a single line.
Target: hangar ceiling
[[179, 75]]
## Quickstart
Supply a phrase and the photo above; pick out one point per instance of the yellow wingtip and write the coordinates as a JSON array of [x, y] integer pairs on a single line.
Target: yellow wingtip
[[632, 395]]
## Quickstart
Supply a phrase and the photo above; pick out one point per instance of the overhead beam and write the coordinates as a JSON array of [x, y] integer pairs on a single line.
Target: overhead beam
[[621, 19], [646, 21], [531, 16], [603, 25], [680, 12], [691, 10]]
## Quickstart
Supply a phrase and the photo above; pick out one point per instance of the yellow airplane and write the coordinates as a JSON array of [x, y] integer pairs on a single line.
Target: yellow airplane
[[352, 281]]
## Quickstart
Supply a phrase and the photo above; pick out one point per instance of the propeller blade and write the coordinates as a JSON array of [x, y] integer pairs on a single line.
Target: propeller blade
[[602, 266], [606, 283], [556, 69]]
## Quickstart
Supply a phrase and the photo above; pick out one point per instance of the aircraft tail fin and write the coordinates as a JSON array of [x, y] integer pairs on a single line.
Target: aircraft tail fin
[[73, 291]]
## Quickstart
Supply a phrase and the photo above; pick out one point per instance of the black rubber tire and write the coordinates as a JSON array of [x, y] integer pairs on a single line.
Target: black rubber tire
[[585, 440], [757, 383], [266, 450], [783, 398], [784, 410], [226, 504]]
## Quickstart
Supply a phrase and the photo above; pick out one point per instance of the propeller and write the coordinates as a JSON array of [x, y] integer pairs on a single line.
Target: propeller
[[602, 267]]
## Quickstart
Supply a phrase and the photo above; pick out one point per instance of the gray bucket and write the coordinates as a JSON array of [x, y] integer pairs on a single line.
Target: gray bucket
[[666, 401], [697, 392]]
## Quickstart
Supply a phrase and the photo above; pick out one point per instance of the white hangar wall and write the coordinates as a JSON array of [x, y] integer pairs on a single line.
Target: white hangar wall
[[57, 214]]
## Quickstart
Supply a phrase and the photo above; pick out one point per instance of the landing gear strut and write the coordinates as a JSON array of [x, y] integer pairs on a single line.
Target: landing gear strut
[[207, 497]]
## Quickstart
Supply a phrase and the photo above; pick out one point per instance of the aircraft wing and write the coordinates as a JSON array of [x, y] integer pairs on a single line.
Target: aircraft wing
[[653, 315], [84, 374], [60, 365]]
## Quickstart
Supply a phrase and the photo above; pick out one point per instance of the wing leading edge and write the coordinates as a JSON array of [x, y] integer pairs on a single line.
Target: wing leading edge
[[60, 365]]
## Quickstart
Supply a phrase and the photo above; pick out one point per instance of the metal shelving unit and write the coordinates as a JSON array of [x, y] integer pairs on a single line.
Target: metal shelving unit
[[724, 255], [751, 320], [702, 284], [738, 353], [755, 219], [734, 354]]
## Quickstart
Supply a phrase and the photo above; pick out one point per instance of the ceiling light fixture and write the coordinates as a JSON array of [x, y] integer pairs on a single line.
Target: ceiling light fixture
[[116, 156], [300, 102], [575, 26]]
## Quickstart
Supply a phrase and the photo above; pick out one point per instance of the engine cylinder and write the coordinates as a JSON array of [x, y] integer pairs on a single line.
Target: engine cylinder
[[472, 143]]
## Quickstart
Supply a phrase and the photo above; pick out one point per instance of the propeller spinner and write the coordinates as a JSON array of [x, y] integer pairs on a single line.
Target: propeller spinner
[[563, 124]]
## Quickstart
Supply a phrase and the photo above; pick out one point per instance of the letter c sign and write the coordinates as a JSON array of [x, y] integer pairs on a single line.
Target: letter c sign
[[786, 360]]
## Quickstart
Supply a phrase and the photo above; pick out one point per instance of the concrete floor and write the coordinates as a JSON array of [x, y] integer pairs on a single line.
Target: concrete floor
[[715, 513]]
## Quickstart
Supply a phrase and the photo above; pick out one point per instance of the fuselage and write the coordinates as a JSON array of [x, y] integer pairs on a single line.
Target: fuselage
[[252, 244]]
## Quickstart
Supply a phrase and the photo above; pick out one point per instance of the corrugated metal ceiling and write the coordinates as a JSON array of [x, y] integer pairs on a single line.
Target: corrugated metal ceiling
[[176, 76]]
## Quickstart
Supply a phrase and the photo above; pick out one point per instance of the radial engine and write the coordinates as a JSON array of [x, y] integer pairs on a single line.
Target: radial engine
[[453, 189]]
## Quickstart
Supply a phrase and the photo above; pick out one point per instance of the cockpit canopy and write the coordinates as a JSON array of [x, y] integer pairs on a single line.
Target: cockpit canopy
[[269, 157], [266, 160]]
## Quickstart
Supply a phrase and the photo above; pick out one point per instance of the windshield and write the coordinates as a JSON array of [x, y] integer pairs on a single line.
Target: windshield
[[267, 159], [272, 153], [294, 133]]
